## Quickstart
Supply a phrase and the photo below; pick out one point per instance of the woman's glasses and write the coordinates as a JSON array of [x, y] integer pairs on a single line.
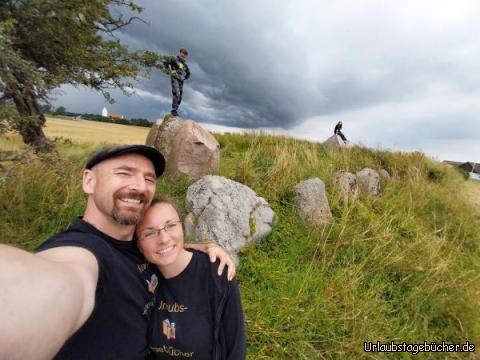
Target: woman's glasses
[[169, 228]]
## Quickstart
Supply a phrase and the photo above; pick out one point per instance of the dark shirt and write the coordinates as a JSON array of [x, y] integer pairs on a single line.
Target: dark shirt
[[338, 129], [179, 67], [117, 327], [197, 315]]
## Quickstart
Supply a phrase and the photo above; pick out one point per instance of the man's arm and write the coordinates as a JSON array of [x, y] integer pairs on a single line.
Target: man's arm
[[45, 298]]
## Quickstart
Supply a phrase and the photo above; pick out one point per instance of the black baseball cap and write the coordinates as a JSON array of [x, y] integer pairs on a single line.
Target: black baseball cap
[[149, 152]]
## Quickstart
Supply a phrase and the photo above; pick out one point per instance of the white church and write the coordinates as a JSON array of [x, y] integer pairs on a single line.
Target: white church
[[105, 113]]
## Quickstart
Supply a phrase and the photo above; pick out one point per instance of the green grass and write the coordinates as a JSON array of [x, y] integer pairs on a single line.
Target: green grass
[[404, 267]]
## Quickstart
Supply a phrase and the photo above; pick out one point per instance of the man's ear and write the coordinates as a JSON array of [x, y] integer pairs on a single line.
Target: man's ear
[[89, 181]]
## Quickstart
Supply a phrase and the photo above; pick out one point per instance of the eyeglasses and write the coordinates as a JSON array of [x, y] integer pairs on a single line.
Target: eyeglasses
[[169, 228]]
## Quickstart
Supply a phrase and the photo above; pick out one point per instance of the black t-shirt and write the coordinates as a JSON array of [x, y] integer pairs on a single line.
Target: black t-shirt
[[182, 322], [117, 327]]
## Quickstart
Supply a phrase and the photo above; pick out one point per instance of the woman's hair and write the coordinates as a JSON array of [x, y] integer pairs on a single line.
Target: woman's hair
[[165, 200]]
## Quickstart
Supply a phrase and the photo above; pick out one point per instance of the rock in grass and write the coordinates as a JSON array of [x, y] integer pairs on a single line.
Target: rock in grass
[[346, 184], [368, 181], [226, 212], [384, 174], [188, 148], [311, 201], [335, 142]]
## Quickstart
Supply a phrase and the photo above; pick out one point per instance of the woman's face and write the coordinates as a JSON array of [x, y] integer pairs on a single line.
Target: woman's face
[[160, 235]]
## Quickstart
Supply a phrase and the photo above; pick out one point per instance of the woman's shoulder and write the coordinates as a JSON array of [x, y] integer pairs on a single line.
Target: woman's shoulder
[[203, 263]]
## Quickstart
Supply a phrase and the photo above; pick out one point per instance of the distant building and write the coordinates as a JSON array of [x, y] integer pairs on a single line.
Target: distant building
[[116, 116], [105, 113], [473, 169]]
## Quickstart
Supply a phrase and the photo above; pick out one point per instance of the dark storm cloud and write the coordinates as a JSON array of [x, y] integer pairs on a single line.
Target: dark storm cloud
[[400, 72], [259, 66]]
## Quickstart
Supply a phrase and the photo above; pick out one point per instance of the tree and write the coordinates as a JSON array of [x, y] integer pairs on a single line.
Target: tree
[[60, 110], [47, 43]]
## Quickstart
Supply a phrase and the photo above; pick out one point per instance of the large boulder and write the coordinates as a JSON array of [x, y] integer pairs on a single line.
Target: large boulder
[[368, 181], [188, 148], [226, 212], [335, 141], [346, 184], [311, 201]]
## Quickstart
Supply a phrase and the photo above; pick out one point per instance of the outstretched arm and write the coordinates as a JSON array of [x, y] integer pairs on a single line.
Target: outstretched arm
[[215, 252], [45, 298]]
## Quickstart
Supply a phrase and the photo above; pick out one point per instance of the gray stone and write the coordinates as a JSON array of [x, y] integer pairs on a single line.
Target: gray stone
[[311, 201], [226, 212], [188, 148], [384, 174], [335, 142], [346, 184], [368, 181]]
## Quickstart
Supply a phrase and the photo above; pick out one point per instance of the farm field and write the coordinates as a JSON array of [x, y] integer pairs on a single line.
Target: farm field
[[86, 131]]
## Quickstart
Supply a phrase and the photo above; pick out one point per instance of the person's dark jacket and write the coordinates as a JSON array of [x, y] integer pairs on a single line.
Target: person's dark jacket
[[338, 128], [178, 67]]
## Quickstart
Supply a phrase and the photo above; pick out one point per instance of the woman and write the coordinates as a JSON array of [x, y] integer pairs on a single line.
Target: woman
[[195, 313]]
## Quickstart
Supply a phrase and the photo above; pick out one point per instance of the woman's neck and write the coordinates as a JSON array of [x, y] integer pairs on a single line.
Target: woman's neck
[[175, 268]]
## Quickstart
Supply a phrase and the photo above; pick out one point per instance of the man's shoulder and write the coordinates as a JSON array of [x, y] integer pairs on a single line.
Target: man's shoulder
[[76, 235]]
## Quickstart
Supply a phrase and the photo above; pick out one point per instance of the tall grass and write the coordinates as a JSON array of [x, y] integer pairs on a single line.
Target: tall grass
[[403, 267]]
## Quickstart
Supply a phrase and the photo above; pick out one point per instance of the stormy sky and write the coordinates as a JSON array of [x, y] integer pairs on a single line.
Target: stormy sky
[[401, 75]]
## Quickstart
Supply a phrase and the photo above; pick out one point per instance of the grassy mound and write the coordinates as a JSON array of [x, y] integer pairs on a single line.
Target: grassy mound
[[403, 267]]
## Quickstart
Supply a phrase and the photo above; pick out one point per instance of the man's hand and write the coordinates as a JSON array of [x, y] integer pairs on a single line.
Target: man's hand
[[215, 252]]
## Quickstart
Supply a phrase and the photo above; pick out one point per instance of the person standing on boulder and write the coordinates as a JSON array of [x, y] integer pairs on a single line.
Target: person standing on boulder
[[178, 70], [338, 131]]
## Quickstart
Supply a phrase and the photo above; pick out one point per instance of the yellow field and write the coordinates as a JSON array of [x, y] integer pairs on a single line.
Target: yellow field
[[85, 131]]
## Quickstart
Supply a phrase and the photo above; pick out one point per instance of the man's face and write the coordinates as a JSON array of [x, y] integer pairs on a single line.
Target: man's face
[[123, 187], [183, 55]]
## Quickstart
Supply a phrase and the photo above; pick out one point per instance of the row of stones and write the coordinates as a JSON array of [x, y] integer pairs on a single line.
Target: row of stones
[[231, 214], [311, 197], [227, 212]]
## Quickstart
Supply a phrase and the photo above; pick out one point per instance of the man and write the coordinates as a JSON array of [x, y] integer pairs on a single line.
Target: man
[[179, 72], [338, 131], [88, 280]]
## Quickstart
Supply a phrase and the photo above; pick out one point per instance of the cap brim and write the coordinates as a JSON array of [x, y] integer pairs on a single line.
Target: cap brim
[[149, 152]]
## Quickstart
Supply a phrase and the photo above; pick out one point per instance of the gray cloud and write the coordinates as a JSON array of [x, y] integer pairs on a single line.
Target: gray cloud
[[280, 63]]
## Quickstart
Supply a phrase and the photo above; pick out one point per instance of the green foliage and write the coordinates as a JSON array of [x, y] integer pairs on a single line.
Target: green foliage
[[60, 111], [7, 117], [404, 267]]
